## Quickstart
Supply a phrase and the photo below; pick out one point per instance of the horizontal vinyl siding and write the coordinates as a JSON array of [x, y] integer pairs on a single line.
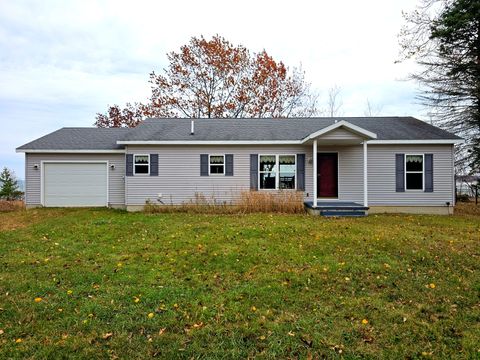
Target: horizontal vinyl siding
[[340, 134], [179, 173], [116, 177], [381, 176], [350, 171]]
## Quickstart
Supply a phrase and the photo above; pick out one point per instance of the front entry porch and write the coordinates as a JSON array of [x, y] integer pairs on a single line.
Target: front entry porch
[[336, 208], [340, 170]]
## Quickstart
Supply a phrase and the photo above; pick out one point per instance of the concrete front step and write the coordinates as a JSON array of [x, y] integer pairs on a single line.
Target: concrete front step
[[343, 213], [336, 209]]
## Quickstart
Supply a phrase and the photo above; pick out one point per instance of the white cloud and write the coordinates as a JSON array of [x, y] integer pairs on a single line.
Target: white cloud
[[63, 61]]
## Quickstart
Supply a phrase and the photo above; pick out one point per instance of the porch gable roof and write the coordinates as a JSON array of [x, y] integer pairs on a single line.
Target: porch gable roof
[[355, 129]]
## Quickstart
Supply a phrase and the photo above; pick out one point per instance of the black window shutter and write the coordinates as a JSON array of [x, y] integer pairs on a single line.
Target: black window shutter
[[428, 172], [153, 164], [129, 165], [400, 172], [203, 164], [254, 171], [301, 172], [228, 164]]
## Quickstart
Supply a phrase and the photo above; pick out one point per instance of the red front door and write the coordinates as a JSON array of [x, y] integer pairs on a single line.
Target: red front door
[[327, 176]]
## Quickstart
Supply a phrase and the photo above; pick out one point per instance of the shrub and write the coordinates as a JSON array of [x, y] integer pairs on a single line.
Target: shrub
[[463, 198]]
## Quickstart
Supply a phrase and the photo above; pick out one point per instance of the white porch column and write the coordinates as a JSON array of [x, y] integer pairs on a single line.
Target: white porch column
[[365, 174], [315, 173]]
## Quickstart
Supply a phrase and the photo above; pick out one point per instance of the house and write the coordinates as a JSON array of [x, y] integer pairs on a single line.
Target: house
[[388, 164]]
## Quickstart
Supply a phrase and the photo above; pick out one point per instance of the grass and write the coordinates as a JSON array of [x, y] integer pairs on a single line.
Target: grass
[[81, 283]]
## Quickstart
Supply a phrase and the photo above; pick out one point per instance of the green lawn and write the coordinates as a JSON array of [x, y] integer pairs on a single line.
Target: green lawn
[[109, 284]]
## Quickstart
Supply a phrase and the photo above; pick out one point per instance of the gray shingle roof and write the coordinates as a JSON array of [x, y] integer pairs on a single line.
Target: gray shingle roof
[[386, 128], [78, 139]]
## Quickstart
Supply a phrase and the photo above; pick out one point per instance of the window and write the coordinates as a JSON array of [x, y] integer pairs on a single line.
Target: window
[[277, 172], [414, 172], [217, 164], [268, 172], [287, 171], [141, 164]]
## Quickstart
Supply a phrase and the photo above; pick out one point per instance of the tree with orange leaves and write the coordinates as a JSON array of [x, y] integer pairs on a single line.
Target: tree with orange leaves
[[214, 79]]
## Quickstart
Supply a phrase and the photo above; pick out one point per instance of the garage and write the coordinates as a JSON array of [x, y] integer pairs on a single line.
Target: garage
[[75, 184]]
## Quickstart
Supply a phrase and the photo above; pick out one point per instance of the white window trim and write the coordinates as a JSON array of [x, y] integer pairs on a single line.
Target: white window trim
[[209, 165], [148, 165], [415, 172], [277, 175]]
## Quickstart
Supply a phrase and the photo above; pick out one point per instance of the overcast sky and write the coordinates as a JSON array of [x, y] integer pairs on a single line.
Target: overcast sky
[[63, 61]]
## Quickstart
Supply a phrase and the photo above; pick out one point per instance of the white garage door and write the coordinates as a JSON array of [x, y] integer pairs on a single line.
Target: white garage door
[[75, 184]]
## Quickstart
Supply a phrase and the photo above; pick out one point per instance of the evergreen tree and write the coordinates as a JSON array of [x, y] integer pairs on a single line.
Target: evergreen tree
[[443, 36], [9, 189]]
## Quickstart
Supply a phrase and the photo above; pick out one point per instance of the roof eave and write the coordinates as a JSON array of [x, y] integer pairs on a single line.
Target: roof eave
[[209, 142], [72, 151], [419, 142]]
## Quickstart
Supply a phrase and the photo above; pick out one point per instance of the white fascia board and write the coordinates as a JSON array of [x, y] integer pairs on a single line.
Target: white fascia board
[[221, 142], [354, 128], [71, 151], [416, 142]]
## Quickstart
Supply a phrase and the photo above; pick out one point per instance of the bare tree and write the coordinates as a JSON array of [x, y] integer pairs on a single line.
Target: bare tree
[[334, 102], [372, 109]]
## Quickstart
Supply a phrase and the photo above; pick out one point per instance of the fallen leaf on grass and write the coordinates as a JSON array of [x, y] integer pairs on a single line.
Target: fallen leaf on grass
[[107, 336], [38, 299]]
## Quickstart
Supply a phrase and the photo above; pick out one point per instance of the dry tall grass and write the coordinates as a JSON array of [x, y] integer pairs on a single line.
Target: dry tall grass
[[11, 205], [467, 208], [289, 202]]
